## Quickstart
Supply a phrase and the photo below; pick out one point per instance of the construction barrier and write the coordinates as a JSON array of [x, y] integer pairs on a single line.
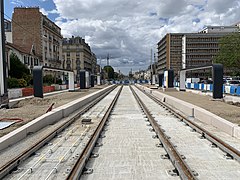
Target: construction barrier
[[233, 90]]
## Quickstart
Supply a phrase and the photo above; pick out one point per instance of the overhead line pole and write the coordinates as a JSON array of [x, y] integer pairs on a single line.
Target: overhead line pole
[[151, 70], [3, 76]]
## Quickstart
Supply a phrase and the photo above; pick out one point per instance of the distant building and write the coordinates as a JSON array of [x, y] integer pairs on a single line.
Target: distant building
[[219, 29], [25, 57], [198, 49], [77, 56], [36, 34], [8, 30]]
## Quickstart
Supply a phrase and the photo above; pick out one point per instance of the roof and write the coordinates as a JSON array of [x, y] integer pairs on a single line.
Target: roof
[[20, 49]]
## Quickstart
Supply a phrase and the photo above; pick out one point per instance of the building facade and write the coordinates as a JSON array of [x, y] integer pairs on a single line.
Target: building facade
[[77, 56], [35, 33], [177, 50], [8, 30], [28, 59]]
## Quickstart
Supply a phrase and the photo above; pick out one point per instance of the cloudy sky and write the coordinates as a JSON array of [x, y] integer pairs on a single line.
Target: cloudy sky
[[129, 29]]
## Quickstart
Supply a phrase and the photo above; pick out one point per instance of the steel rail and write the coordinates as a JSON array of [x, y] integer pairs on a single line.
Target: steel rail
[[233, 152], [13, 163], [84, 156], [183, 170]]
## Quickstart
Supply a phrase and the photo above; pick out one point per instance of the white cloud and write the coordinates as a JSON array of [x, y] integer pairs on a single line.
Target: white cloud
[[45, 12], [16, 2], [127, 30]]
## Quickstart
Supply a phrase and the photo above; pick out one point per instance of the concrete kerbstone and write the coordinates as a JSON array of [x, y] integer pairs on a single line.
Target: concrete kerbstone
[[44, 120], [202, 115], [13, 137], [236, 131], [222, 124]]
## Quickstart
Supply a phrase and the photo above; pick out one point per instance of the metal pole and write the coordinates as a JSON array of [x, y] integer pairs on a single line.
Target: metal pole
[[151, 73], [3, 78]]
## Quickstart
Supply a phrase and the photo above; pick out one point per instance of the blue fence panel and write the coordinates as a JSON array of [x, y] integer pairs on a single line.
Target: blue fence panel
[[211, 87], [238, 91], [189, 85], [233, 89], [196, 86]]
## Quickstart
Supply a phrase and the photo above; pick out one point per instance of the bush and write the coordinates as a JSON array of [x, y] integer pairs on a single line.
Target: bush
[[13, 83], [22, 83], [28, 79], [48, 79], [17, 68], [59, 81]]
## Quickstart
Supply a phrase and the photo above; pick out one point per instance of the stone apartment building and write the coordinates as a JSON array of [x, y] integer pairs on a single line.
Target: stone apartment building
[[38, 35], [198, 49], [77, 55]]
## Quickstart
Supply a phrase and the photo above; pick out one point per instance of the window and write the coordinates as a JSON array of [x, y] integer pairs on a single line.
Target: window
[[25, 60]]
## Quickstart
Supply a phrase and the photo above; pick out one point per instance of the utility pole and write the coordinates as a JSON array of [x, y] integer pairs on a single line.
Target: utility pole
[[151, 72], [3, 78], [108, 59]]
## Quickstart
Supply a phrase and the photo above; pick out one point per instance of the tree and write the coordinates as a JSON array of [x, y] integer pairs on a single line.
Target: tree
[[229, 54], [17, 68], [110, 71]]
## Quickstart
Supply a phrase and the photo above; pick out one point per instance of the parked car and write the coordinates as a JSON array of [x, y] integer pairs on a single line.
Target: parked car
[[206, 81], [233, 83]]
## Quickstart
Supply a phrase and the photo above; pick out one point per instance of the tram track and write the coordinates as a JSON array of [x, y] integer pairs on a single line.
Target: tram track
[[13, 163], [122, 144], [206, 155], [185, 162], [182, 168], [231, 152]]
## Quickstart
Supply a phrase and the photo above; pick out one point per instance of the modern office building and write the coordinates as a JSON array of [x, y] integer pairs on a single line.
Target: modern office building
[[36, 34], [197, 49], [77, 56]]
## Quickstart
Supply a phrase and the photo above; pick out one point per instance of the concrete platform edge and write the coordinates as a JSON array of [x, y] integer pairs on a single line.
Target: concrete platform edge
[[197, 112]]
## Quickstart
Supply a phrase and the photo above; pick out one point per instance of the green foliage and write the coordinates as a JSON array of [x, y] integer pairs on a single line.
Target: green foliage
[[13, 83], [116, 75], [22, 83], [58, 81], [229, 54], [110, 71], [28, 79], [17, 68], [48, 79]]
